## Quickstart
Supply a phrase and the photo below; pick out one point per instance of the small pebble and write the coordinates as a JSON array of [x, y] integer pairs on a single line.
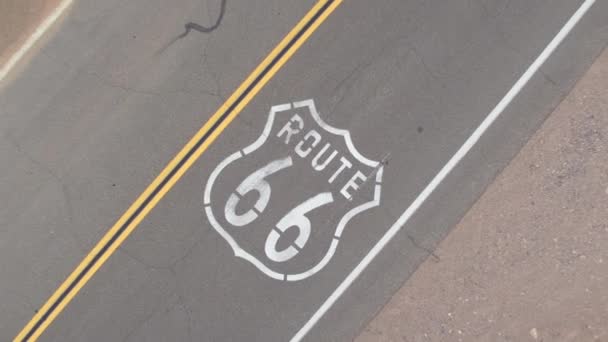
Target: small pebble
[[534, 333]]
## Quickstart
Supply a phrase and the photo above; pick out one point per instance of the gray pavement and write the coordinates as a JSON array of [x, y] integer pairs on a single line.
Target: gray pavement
[[107, 102]]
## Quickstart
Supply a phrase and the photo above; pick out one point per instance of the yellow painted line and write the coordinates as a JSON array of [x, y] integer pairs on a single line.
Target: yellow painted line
[[176, 169]]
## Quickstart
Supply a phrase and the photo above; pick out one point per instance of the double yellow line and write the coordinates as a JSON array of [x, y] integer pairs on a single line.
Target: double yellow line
[[176, 169]]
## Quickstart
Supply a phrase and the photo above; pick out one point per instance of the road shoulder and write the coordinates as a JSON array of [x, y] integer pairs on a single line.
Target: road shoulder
[[19, 20], [527, 262]]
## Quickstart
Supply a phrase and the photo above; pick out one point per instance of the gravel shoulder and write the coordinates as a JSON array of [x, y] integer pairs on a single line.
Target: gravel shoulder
[[529, 261]]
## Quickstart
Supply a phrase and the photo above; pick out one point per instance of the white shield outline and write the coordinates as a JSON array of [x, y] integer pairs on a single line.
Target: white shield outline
[[241, 253]]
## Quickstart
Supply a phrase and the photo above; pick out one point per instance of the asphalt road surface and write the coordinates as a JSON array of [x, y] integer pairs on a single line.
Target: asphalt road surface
[[295, 192]]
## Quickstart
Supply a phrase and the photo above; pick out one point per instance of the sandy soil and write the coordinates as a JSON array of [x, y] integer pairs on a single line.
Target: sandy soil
[[529, 262], [18, 19]]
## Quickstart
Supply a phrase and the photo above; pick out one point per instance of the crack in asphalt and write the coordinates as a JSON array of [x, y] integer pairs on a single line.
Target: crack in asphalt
[[164, 92], [55, 177], [429, 251], [190, 26], [196, 27]]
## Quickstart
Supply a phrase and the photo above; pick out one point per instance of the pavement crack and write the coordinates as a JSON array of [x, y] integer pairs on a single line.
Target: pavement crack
[[33, 160], [218, 87], [498, 13], [133, 90], [63, 187], [146, 264], [192, 26], [188, 311], [122, 87], [548, 78], [346, 84], [427, 250], [196, 27], [183, 257], [181, 301], [434, 75], [147, 319], [360, 67], [139, 326], [216, 79]]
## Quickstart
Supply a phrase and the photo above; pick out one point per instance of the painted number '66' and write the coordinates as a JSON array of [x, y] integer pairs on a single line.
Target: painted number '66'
[[296, 217]]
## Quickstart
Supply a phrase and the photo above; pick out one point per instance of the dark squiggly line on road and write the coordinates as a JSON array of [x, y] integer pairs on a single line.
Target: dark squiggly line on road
[[190, 26], [196, 27]]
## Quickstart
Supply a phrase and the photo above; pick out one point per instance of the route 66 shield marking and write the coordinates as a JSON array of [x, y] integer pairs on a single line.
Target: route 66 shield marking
[[283, 202]]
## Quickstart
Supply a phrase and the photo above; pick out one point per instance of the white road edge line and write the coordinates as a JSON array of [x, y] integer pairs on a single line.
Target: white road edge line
[[447, 168], [32, 39]]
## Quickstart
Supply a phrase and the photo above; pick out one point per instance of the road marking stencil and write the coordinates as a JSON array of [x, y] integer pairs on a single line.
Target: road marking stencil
[[342, 170], [445, 170], [295, 217], [176, 169]]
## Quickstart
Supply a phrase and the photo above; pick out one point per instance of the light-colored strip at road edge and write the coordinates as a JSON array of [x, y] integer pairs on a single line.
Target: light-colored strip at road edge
[[445, 171], [34, 37]]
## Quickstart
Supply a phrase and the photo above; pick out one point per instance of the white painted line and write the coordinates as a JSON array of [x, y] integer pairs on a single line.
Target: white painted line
[[445, 171], [40, 30]]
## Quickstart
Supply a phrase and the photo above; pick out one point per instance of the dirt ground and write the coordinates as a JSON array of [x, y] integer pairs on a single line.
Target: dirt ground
[[18, 19], [529, 262]]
